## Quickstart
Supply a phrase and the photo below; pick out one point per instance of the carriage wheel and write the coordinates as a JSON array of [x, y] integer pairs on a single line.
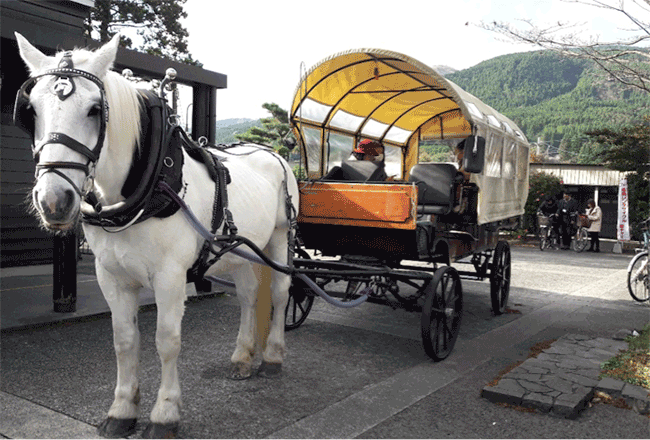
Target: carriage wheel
[[442, 313], [581, 240], [300, 300], [500, 278]]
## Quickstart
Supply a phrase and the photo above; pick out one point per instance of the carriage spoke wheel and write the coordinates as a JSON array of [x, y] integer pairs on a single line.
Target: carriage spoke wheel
[[300, 301], [442, 313], [500, 278], [581, 240]]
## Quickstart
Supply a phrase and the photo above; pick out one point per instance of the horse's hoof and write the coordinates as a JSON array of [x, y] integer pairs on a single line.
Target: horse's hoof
[[241, 371], [116, 428], [158, 430], [270, 369]]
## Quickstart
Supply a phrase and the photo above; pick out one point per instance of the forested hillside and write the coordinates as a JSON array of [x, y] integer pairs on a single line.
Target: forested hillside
[[554, 99], [228, 128]]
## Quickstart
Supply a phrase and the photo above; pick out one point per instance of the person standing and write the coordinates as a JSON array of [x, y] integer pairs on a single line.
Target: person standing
[[567, 210], [595, 214]]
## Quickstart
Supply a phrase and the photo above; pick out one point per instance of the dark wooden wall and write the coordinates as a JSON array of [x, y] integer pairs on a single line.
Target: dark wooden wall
[[51, 26]]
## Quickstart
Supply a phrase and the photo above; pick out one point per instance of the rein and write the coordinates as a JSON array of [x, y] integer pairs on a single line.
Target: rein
[[230, 243]]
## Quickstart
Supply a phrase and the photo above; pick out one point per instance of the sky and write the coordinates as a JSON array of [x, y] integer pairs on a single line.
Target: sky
[[261, 44]]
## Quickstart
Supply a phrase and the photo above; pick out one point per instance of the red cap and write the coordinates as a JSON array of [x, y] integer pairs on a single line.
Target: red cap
[[368, 146]]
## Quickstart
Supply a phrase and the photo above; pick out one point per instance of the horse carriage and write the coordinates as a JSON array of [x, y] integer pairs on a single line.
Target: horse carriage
[[111, 156], [392, 240]]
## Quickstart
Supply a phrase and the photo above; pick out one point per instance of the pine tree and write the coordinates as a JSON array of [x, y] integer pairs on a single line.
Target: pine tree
[[273, 131], [155, 21]]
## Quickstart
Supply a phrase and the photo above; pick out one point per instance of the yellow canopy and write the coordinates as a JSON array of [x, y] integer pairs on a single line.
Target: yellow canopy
[[387, 96]]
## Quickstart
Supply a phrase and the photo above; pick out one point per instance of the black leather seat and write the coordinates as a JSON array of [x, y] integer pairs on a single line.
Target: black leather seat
[[436, 184], [363, 171]]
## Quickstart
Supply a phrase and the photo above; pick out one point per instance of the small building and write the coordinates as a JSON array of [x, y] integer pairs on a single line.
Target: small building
[[586, 182], [52, 26]]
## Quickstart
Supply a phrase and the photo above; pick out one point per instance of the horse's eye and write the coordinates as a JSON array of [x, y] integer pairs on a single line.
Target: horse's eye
[[95, 110]]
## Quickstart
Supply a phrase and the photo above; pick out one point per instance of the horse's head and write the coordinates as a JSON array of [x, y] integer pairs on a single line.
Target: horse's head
[[63, 106]]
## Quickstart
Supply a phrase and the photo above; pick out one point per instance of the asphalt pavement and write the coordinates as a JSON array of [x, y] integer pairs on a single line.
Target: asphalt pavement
[[353, 373]]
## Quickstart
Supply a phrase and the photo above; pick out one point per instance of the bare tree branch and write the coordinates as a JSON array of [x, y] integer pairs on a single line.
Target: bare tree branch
[[625, 60]]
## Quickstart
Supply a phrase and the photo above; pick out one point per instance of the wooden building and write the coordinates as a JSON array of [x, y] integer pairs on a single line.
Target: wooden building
[[586, 182], [53, 26]]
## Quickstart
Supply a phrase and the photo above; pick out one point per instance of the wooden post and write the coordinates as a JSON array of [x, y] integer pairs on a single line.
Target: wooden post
[[263, 305], [64, 295]]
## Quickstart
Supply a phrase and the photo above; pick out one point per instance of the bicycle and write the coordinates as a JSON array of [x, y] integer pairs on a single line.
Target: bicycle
[[581, 237], [548, 235], [638, 271]]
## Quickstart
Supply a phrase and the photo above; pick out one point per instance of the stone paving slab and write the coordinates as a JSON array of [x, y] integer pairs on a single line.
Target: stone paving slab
[[563, 378]]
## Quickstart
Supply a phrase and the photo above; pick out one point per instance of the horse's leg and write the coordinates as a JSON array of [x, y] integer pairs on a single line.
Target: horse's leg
[[169, 289], [275, 346], [123, 302], [242, 358]]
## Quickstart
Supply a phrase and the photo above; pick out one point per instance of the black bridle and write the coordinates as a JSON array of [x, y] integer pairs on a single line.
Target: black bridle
[[64, 87]]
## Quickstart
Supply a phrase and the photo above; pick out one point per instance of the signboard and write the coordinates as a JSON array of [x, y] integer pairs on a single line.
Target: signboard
[[623, 224]]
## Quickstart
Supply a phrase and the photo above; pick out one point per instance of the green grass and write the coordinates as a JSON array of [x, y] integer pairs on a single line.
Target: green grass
[[631, 365]]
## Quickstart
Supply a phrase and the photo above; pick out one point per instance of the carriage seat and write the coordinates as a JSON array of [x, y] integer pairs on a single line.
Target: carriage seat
[[358, 171], [436, 184]]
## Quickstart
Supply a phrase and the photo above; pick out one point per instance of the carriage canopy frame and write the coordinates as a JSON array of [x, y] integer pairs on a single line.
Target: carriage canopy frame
[[402, 99]]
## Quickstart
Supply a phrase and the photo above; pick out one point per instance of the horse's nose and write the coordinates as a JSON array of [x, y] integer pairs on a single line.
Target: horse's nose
[[56, 208]]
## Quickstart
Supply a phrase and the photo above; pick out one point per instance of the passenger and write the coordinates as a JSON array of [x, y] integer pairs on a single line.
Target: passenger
[[366, 150], [567, 210], [372, 151], [595, 214], [369, 150]]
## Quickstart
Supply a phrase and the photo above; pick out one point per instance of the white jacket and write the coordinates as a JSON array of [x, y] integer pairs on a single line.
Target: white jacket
[[596, 217]]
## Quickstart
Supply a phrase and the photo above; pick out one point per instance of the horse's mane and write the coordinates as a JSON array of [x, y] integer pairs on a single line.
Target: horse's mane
[[123, 129]]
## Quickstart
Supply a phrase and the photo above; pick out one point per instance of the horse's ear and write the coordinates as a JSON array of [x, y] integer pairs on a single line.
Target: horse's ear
[[105, 55], [34, 59]]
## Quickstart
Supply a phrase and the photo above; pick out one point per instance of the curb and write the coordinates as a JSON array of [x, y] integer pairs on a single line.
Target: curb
[[636, 397], [563, 379]]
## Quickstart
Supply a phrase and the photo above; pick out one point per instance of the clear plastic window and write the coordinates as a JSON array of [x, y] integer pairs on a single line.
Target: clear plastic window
[[374, 128], [340, 149], [492, 120], [346, 121], [393, 161], [313, 147], [509, 160], [494, 156], [313, 111], [473, 109]]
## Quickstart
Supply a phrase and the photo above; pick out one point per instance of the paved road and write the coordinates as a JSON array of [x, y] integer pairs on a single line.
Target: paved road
[[349, 373]]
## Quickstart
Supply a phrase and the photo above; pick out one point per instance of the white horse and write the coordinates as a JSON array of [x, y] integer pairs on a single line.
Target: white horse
[[157, 252]]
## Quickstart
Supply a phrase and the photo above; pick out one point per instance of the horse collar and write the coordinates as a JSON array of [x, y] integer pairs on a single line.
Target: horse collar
[[159, 158]]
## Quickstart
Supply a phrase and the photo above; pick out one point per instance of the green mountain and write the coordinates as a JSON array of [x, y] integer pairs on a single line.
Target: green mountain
[[554, 99], [228, 128]]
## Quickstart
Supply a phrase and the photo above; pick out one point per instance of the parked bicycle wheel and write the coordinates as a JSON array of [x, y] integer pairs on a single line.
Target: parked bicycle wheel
[[638, 277], [543, 240], [553, 240], [581, 240]]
